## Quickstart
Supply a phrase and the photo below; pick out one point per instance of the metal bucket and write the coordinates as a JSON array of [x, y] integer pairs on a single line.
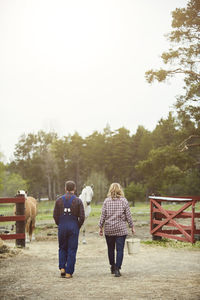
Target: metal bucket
[[133, 246]]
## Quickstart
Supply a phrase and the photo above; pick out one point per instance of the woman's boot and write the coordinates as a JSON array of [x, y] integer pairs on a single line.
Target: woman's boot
[[117, 272], [112, 268]]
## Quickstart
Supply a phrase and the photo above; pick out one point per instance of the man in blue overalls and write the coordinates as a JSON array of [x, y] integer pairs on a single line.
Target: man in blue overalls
[[69, 215]]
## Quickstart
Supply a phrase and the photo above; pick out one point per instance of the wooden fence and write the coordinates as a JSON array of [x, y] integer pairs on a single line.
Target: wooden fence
[[160, 217], [19, 218]]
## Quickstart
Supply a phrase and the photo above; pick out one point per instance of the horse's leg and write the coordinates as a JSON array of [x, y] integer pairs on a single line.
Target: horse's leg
[[33, 219], [30, 230], [84, 240], [33, 228], [28, 223]]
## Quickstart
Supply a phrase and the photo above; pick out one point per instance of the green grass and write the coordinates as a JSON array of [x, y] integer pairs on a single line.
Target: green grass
[[6, 209], [139, 206], [45, 208], [140, 211], [167, 243]]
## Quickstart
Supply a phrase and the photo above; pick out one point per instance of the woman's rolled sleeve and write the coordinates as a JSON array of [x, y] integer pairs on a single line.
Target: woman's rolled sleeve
[[129, 216]]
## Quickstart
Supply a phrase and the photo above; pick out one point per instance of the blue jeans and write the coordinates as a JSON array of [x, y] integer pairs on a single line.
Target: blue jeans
[[119, 242], [68, 233]]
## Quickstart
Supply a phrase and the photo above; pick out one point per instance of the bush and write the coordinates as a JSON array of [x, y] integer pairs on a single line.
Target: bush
[[135, 192]]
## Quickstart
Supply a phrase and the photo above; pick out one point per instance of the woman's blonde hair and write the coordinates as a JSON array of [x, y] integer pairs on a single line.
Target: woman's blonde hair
[[115, 191]]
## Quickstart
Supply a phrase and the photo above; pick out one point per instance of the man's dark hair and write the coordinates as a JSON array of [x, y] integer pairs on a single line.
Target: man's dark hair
[[70, 186]]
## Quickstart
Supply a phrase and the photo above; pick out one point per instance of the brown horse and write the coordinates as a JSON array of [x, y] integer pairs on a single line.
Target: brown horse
[[30, 214]]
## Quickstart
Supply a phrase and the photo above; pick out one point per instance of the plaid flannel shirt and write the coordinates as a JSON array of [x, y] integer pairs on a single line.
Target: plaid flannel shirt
[[115, 216]]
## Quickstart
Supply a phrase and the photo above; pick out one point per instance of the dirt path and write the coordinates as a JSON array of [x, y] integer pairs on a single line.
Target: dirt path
[[153, 273]]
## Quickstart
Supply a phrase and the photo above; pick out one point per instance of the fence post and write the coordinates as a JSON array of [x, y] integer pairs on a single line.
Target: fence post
[[20, 225], [156, 216], [193, 226]]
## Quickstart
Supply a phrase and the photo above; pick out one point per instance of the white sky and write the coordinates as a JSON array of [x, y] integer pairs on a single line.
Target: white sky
[[76, 65]]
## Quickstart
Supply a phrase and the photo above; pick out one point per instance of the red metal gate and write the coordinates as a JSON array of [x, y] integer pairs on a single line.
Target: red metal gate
[[161, 217], [19, 218]]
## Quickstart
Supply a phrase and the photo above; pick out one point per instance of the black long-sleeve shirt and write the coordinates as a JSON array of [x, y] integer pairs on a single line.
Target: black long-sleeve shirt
[[77, 210]]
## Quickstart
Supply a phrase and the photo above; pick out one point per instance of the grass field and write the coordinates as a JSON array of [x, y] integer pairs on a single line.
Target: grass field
[[140, 213], [45, 209]]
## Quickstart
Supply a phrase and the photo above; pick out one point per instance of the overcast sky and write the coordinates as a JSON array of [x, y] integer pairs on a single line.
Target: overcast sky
[[76, 65]]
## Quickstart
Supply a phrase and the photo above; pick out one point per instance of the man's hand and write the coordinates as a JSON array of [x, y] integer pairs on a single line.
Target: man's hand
[[101, 231]]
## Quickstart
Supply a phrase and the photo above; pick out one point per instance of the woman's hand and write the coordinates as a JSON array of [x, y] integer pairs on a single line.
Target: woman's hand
[[133, 230], [101, 231]]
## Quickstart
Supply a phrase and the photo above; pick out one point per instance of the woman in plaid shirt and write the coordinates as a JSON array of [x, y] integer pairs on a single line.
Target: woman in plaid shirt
[[114, 218]]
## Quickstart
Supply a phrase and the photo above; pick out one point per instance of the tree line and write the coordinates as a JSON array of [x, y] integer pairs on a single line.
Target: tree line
[[145, 162]]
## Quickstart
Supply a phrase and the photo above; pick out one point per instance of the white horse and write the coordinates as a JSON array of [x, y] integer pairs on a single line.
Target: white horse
[[86, 197]]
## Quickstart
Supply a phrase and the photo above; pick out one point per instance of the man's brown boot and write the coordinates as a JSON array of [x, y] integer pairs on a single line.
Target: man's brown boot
[[62, 272], [68, 276]]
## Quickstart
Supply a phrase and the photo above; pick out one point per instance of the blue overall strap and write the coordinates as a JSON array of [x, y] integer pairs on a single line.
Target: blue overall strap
[[68, 203]]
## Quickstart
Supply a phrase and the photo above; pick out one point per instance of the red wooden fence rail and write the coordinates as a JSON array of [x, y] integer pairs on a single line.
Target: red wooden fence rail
[[160, 217], [19, 218]]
